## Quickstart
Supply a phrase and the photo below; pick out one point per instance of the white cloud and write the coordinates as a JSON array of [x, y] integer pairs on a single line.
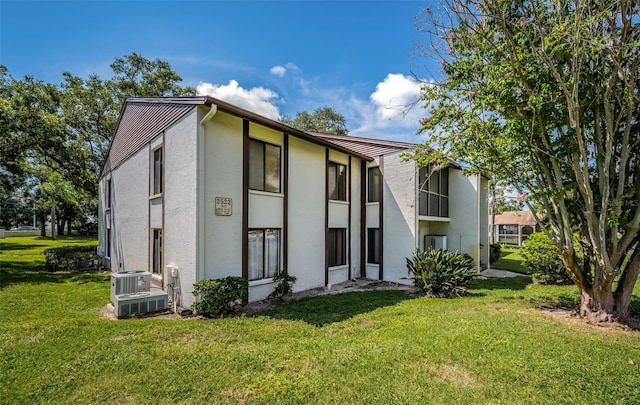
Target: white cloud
[[259, 100], [393, 111], [281, 71], [278, 71]]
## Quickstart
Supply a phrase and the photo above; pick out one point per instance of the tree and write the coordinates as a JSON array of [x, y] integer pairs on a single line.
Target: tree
[[545, 94], [322, 119], [58, 190]]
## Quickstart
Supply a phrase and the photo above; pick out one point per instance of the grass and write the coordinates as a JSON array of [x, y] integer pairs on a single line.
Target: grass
[[376, 347], [510, 260]]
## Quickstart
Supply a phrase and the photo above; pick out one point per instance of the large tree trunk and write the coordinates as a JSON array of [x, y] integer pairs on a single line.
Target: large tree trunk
[[53, 218], [43, 225], [599, 302]]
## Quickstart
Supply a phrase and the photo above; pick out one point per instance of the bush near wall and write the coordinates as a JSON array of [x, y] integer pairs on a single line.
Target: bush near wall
[[494, 252], [441, 273], [70, 258], [542, 258], [220, 296]]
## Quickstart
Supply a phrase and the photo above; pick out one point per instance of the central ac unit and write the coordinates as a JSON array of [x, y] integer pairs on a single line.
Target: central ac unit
[[129, 283], [435, 242], [140, 303]]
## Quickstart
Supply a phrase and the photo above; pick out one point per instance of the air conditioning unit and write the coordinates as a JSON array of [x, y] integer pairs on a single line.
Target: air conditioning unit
[[129, 283], [435, 242], [140, 303]]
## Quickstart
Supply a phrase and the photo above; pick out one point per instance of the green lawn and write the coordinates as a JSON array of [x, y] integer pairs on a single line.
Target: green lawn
[[376, 347], [511, 260]]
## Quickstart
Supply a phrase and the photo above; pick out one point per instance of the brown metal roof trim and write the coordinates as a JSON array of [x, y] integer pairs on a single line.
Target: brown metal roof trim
[[138, 124], [142, 119]]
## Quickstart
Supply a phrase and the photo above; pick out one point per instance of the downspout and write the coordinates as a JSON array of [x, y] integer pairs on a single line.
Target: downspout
[[209, 115], [200, 205]]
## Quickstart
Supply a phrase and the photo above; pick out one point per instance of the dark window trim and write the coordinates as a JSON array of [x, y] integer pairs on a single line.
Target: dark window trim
[[371, 246], [426, 193], [264, 252], [373, 193], [264, 165], [341, 189], [158, 171], [342, 260]]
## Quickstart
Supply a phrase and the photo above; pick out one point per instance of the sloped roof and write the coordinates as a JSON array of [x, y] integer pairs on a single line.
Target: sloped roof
[[142, 119], [515, 218], [138, 124], [366, 146]]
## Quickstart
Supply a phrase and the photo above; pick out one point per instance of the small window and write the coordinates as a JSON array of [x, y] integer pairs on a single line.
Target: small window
[[156, 254], [373, 184], [373, 245], [264, 253], [108, 242], [337, 178], [337, 247], [108, 194], [157, 171], [264, 166]]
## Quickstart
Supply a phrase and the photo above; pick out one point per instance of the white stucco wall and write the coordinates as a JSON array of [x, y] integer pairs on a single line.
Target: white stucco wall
[[462, 231], [129, 214], [222, 243], [180, 202], [399, 216], [484, 220], [306, 213]]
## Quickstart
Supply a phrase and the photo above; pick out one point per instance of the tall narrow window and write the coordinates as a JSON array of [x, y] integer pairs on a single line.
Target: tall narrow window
[[157, 252], [264, 253], [373, 184], [264, 166], [434, 192], [108, 202], [157, 171], [337, 247], [373, 245], [337, 178], [108, 242]]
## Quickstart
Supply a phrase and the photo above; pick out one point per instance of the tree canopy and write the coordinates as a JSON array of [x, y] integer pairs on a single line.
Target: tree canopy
[[544, 94], [64, 130], [322, 119]]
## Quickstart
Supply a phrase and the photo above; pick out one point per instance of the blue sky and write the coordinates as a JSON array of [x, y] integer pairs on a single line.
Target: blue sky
[[273, 58]]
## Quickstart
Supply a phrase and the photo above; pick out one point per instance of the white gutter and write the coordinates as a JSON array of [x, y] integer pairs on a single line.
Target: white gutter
[[210, 114]]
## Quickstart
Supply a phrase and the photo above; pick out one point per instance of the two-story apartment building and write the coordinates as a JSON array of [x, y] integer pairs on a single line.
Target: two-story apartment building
[[212, 190]]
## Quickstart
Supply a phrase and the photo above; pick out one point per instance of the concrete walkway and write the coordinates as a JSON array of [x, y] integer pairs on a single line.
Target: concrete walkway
[[500, 273]]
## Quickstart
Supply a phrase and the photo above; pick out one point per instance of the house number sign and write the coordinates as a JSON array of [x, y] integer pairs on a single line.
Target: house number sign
[[224, 206]]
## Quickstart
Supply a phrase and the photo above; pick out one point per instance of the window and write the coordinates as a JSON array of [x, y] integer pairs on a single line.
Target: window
[[264, 166], [434, 192], [373, 184], [157, 171], [108, 242], [337, 247], [337, 181], [264, 253], [373, 245], [109, 194], [157, 252]]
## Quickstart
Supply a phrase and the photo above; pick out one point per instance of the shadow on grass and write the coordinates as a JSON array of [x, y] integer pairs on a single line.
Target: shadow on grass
[[327, 309], [562, 301], [498, 283], [7, 246], [510, 265], [31, 273]]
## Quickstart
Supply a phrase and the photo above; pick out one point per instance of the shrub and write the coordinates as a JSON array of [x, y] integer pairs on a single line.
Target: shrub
[[441, 273], [542, 258], [71, 258], [284, 286], [220, 296], [494, 252]]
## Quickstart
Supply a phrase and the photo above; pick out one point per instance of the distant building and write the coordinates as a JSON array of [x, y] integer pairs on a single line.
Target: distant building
[[195, 188], [514, 226]]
